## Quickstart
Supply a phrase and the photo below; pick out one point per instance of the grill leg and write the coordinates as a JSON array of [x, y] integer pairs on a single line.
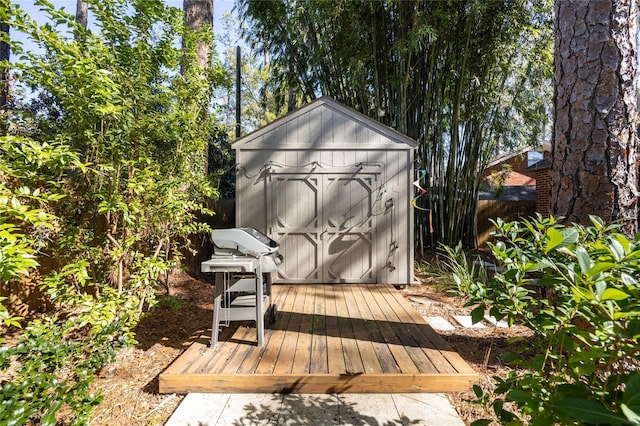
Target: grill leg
[[216, 322], [259, 311]]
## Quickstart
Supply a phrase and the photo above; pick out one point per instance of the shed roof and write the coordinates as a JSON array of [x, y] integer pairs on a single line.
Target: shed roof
[[325, 124]]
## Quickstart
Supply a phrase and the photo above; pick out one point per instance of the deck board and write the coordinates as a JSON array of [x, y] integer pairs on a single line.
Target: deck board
[[365, 344], [301, 357], [326, 339], [319, 361], [270, 358], [335, 349]]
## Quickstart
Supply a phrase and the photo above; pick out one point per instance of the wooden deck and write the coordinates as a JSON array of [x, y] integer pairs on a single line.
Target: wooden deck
[[326, 339]]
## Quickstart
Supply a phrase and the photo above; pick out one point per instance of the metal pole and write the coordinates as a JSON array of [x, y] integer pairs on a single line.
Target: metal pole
[[238, 82]]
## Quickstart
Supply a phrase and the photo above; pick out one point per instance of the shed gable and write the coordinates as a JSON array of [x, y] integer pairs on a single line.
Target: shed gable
[[324, 124]]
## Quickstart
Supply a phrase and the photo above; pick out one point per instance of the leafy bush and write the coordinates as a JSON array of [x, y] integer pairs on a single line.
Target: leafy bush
[[577, 288], [104, 173], [56, 369]]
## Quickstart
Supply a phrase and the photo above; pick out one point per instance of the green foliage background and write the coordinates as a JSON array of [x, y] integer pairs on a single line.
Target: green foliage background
[[104, 172], [578, 289]]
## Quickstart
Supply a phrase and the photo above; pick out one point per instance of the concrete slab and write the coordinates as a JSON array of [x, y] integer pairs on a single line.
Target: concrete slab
[[309, 410], [492, 320], [433, 409], [368, 409], [251, 409], [439, 323], [465, 321], [315, 410], [199, 409]]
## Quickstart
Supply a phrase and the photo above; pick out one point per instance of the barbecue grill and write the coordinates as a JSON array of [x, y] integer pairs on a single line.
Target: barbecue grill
[[242, 263]]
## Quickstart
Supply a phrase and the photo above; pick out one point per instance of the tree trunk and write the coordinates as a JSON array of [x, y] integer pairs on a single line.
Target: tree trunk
[[82, 12], [595, 138], [4, 76], [197, 14]]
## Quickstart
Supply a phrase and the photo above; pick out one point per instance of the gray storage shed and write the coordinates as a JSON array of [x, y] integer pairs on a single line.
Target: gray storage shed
[[334, 188]]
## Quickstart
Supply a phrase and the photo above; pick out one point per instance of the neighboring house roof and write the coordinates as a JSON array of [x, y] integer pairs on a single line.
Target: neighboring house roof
[[510, 193], [543, 164], [500, 158]]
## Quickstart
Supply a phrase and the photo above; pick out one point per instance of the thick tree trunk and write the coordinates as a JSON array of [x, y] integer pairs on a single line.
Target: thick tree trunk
[[197, 14], [595, 138]]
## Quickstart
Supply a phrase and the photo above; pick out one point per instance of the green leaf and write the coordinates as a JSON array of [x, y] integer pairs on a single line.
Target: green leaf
[[554, 239], [598, 223], [581, 293], [628, 280], [481, 422], [624, 242], [600, 267], [509, 357], [586, 411], [630, 414], [569, 236], [614, 294], [477, 314], [631, 395], [601, 286], [584, 260], [49, 420], [616, 249], [517, 395], [634, 328], [478, 391]]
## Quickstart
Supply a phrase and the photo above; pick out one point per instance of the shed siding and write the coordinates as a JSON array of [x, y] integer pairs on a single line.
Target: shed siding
[[334, 140]]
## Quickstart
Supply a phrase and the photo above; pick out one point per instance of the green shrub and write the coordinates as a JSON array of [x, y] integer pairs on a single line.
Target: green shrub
[[57, 362], [577, 288], [467, 274], [103, 172]]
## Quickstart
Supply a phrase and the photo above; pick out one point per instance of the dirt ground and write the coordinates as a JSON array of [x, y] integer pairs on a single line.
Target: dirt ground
[[129, 385]]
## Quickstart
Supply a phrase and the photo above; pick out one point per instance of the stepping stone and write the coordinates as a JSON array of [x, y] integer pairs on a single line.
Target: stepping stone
[[466, 322], [495, 322], [439, 323], [424, 300]]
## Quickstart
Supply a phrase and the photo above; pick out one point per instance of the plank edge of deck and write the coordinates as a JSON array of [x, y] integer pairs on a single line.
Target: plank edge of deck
[[316, 383]]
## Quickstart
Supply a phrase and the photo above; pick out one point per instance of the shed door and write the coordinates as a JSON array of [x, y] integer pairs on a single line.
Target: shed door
[[324, 225]]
